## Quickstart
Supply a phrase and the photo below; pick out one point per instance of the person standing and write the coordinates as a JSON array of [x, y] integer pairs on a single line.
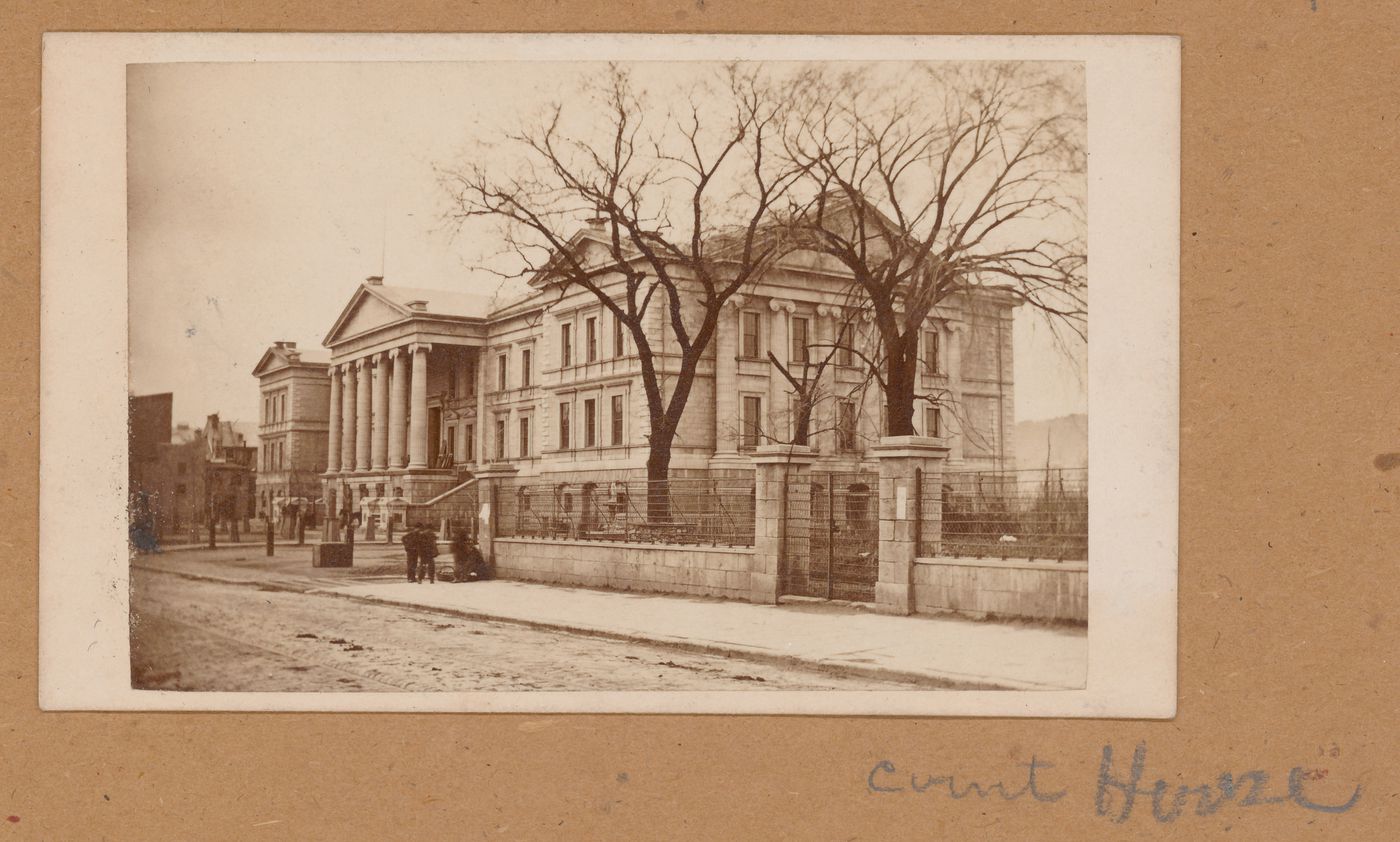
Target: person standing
[[427, 553], [411, 549]]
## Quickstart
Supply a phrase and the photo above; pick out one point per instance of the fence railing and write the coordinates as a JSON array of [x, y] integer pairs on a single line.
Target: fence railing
[[450, 514], [686, 511], [1037, 514]]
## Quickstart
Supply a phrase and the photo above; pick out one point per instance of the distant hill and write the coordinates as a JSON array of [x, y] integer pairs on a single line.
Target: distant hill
[[1066, 437]]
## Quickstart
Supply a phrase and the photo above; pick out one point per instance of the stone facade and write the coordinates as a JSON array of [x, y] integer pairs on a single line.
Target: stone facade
[[293, 429], [427, 387]]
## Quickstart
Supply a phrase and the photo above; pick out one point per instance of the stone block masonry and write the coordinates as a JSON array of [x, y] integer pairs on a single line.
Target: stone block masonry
[[656, 568], [979, 587]]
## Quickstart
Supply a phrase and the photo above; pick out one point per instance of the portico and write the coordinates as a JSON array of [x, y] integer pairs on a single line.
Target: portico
[[403, 363]]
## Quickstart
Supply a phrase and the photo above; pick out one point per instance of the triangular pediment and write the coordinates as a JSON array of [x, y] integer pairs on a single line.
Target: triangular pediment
[[365, 312], [271, 360]]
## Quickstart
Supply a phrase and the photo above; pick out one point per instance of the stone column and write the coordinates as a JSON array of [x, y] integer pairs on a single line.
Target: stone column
[[782, 502], [824, 413], [333, 453], [398, 410], [779, 420], [480, 423], [727, 379], [956, 332], [347, 419], [363, 395], [379, 410], [418, 413], [900, 521]]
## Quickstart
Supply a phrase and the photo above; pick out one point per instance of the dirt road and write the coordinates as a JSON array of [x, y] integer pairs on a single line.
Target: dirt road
[[200, 635]]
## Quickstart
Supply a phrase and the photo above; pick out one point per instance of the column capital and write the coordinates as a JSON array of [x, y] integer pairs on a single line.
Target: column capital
[[781, 304], [737, 300], [829, 310], [393, 353], [382, 357], [420, 346], [362, 363]]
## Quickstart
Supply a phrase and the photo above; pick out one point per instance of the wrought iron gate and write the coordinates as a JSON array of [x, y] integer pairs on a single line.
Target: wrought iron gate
[[839, 559]]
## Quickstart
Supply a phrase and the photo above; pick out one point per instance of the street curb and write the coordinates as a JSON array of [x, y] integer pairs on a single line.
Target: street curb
[[919, 680]]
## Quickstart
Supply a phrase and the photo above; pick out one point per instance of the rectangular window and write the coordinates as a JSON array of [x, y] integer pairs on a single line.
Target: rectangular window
[[619, 346], [846, 426], [617, 420], [471, 378], [931, 351], [566, 345], [751, 422], [500, 438], [590, 423], [799, 341], [525, 437], [591, 339], [282, 407], [933, 421], [451, 380], [501, 363], [563, 426], [267, 410], [525, 367], [469, 452], [844, 343], [749, 341], [180, 468]]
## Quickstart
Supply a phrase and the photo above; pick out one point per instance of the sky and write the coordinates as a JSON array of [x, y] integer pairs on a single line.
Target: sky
[[261, 194]]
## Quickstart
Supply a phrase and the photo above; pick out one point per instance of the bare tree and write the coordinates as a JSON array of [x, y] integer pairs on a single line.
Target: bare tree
[[677, 190], [969, 182]]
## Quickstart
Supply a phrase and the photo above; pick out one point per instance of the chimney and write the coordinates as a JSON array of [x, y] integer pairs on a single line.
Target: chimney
[[599, 220], [418, 305], [374, 281]]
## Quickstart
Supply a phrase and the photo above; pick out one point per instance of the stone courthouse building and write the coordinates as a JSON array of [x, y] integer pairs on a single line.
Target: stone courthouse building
[[427, 386], [292, 427]]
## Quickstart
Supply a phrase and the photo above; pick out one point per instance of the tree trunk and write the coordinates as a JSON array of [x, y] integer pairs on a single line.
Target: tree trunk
[[900, 377], [658, 479]]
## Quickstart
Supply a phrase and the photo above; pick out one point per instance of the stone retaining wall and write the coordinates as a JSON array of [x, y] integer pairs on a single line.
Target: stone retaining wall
[[663, 568], [1038, 590]]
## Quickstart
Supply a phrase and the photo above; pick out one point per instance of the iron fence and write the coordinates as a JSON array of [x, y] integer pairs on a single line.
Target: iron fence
[[458, 512], [693, 510], [836, 558], [1037, 514]]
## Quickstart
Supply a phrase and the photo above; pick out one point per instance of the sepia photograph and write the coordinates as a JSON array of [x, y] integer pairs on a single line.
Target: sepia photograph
[[739, 375]]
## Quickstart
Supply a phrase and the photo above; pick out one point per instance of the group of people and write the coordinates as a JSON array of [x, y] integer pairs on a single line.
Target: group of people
[[420, 543]]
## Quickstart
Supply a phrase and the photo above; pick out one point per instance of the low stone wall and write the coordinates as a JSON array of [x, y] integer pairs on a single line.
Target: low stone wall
[[659, 568], [1038, 590]]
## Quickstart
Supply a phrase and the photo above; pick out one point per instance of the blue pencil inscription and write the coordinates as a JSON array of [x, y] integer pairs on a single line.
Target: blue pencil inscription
[[1118, 790]]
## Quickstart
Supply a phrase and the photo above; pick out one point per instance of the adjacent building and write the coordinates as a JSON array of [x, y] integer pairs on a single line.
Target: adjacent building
[[293, 428], [193, 475], [427, 386]]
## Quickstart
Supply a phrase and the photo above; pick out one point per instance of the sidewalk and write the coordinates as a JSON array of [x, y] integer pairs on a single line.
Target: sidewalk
[[933, 651]]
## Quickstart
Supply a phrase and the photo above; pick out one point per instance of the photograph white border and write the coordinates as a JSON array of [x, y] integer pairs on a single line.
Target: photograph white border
[[1134, 197]]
